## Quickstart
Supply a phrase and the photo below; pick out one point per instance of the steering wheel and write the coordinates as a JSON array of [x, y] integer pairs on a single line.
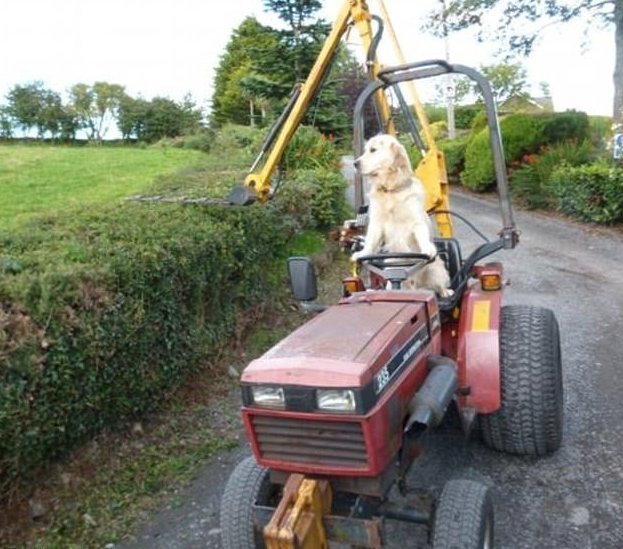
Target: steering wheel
[[395, 266]]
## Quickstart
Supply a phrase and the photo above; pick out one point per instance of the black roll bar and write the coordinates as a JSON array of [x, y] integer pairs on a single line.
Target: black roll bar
[[427, 69]]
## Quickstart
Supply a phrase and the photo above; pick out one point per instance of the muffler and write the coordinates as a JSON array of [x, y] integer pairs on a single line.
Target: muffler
[[429, 404]]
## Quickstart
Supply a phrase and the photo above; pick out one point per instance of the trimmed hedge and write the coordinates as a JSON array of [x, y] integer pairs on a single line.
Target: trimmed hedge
[[454, 154], [590, 193], [521, 134], [100, 317], [313, 199], [530, 182]]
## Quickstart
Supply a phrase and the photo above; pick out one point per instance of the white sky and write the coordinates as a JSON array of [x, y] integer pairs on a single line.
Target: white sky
[[171, 47]]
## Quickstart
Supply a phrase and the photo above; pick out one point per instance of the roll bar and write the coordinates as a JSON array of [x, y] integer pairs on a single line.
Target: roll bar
[[391, 76]]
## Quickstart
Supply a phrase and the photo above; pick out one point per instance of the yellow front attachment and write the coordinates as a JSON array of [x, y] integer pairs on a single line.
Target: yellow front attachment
[[297, 521], [432, 172]]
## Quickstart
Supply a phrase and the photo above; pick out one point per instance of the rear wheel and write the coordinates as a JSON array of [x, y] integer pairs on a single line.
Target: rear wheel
[[248, 484], [529, 421], [464, 517]]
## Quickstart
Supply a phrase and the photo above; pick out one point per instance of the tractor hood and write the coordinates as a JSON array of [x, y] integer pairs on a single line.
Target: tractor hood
[[347, 344]]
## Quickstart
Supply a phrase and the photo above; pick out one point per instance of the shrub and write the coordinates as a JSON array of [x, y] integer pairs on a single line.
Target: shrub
[[439, 129], [233, 137], [479, 123], [600, 132], [521, 134], [312, 199], [530, 182], [198, 141], [435, 113], [109, 309], [464, 116], [309, 149], [454, 153], [590, 193], [565, 126]]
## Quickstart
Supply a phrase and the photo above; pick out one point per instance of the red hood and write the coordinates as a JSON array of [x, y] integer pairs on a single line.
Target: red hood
[[344, 345]]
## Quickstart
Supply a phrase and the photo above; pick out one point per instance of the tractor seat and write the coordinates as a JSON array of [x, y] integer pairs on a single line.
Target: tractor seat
[[450, 252]]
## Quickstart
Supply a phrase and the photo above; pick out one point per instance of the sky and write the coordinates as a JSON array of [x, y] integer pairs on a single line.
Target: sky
[[172, 47]]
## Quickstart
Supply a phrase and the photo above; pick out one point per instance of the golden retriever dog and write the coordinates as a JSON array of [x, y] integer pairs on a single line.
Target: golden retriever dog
[[398, 221]]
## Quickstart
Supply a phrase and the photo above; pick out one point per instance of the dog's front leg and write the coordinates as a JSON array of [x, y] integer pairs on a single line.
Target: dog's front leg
[[421, 232], [372, 242]]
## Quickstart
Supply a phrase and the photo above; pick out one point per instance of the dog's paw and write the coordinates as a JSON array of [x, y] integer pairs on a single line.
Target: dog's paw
[[446, 292], [429, 249]]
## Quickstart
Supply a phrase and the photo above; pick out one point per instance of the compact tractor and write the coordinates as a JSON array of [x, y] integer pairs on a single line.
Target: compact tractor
[[337, 411]]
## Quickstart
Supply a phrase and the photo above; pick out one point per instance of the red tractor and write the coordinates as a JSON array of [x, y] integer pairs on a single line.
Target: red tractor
[[336, 412]]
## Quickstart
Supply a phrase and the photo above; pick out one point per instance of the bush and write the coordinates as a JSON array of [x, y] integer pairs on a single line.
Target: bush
[[197, 141], [565, 126], [530, 183], [454, 153], [521, 134], [465, 115], [309, 149], [313, 199], [105, 312], [590, 193], [435, 113], [600, 132], [233, 137], [439, 129]]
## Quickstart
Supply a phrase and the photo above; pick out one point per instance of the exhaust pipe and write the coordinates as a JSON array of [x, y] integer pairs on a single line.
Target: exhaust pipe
[[429, 404]]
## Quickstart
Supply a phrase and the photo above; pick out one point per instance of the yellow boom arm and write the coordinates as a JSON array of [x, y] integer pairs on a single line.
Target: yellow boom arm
[[353, 12]]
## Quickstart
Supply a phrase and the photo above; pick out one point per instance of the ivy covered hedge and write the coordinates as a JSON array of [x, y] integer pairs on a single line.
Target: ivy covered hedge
[[104, 311], [591, 193], [101, 316]]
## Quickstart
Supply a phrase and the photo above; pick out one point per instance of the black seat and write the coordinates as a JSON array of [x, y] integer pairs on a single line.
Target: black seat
[[450, 252]]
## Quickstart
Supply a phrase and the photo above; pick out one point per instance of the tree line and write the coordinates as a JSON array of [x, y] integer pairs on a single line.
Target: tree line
[[90, 110]]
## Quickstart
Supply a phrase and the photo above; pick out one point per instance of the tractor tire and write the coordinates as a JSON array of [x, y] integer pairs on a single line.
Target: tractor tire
[[248, 484], [464, 517], [530, 419]]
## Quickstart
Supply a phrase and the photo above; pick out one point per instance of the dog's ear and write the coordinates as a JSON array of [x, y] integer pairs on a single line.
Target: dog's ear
[[401, 160]]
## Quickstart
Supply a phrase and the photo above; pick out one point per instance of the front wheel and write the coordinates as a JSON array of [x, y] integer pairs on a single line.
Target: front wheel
[[248, 484], [464, 517]]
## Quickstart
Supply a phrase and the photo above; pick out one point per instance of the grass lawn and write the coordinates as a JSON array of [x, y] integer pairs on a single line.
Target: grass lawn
[[38, 179]]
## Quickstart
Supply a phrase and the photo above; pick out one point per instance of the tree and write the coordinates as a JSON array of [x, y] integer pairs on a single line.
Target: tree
[[35, 106], [519, 22], [6, 123], [81, 99], [96, 106], [131, 117], [301, 39], [507, 80], [252, 55], [24, 104]]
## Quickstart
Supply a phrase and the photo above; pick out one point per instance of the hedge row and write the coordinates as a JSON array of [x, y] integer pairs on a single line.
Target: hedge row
[[100, 318], [102, 313], [591, 193], [522, 134]]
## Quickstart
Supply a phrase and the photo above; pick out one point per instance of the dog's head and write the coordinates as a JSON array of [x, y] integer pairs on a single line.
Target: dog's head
[[385, 159]]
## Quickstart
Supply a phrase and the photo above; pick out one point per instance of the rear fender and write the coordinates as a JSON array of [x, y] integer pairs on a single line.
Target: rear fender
[[478, 349]]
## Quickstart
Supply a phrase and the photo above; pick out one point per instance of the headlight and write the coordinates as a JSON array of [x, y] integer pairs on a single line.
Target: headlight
[[272, 397], [335, 400]]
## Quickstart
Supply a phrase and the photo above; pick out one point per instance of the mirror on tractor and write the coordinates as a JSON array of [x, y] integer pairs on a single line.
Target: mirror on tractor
[[302, 278]]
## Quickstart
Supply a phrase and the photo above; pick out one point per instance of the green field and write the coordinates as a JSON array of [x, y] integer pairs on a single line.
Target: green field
[[37, 179]]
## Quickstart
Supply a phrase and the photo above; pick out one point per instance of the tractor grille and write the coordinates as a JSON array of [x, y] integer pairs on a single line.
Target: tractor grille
[[321, 443]]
